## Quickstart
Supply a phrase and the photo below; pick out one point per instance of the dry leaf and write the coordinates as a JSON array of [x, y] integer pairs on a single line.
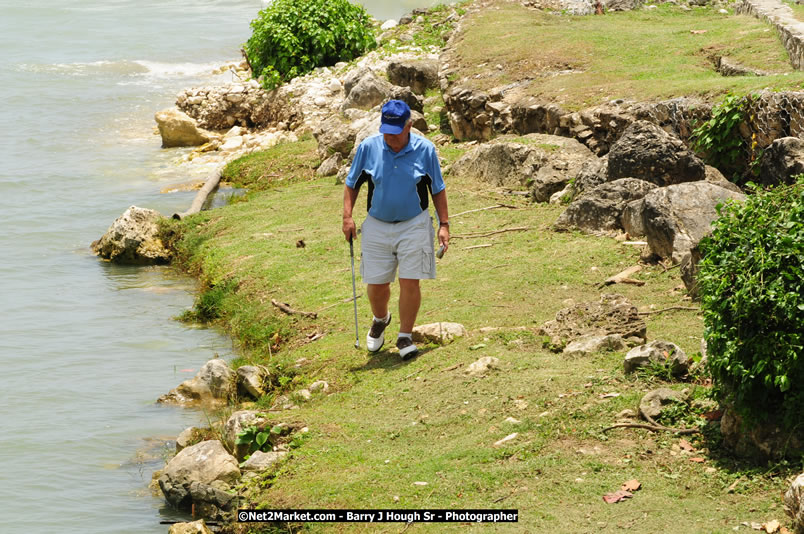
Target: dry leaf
[[631, 485], [771, 527], [783, 530], [617, 496], [698, 460], [686, 445], [714, 415], [697, 32], [609, 395]]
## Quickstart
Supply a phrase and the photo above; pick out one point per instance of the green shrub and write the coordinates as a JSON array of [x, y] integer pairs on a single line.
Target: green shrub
[[292, 37], [752, 295], [720, 141]]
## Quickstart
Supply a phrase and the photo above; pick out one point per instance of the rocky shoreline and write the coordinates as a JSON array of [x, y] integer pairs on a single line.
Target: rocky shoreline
[[623, 169]]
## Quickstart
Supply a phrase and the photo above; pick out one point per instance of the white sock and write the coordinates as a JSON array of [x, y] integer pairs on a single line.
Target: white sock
[[404, 334], [383, 319]]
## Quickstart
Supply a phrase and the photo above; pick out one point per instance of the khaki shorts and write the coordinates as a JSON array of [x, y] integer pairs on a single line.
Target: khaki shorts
[[407, 245]]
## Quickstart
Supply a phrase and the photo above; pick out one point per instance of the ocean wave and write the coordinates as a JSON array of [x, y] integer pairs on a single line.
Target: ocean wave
[[125, 68]]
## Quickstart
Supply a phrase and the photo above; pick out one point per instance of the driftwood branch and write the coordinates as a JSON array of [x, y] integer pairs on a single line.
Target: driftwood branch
[[623, 277], [496, 206], [290, 311], [669, 309], [654, 428], [198, 202], [470, 236]]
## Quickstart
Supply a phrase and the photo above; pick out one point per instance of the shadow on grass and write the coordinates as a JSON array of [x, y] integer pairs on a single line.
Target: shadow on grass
[[387, 360]]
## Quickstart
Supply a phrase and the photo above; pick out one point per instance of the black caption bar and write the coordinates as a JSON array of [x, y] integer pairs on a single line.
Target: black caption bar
[[380, 516]]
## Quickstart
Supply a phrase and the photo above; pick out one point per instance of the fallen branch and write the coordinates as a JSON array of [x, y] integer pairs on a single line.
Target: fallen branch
[[486, 208], [654, 428], [201, 197], [290, 311], [668, 309], [623, 277], [470, 236], [479, 246]]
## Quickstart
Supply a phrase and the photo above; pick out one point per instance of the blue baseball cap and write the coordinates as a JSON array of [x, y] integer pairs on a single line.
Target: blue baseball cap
[[395, 113]]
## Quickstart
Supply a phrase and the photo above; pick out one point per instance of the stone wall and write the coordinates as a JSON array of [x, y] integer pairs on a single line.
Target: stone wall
[[780, 15]]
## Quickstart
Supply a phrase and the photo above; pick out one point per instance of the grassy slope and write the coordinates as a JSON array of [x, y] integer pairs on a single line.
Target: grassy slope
[[387, 424], [639, 55]]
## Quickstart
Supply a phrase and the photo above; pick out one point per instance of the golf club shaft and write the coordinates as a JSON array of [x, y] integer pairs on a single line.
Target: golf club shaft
[[354, 290]]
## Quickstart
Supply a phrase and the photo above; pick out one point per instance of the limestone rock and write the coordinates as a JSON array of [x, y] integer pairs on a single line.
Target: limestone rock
[[763, 440], [612, 314], [662, 352], [651, 405], [262, 461], [588, 345], [331, 165], [251, 380], [179, 129], [794, 503], [369, 91], [517, 162], [781, 161], [319, 385], [593, 172], [647, 152], [334, 136], [237, 422], [211, 500], [632, 217], [678, 216], [214, 382], [187, 437], [601, 209], [133, 238], [204, 463], [440, 333], [729, 67], [482, 366], [419, 75], [714, 176], [194, 527]]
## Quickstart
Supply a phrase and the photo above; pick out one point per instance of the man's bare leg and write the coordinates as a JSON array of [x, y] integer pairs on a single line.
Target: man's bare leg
[[379, 295], [410, 298]]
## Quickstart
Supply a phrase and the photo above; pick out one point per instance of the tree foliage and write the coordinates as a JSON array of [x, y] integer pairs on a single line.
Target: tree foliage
[[292, 37], [752, 291]]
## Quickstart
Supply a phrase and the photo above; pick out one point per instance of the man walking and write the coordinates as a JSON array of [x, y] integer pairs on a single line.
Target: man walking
[[402, 171]]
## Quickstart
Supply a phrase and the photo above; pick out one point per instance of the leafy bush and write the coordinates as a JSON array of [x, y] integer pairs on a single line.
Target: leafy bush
[[719, 138], [292, 37], [752, 294]]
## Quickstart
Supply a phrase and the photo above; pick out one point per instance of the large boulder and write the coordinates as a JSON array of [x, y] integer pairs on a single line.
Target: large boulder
[[593, 172], [133, 238], [335, 135], [654, 402], [759, 440], [647, 152], [612, 314], [601, 209], [238, 422], [689, 271], [369, 91], [179, 129], [194, 527], [781, 161], [678, 216], [794, 503], [657, 352], [206, 463], [517, 161], [419, 75], [214, 383], [251, 380]]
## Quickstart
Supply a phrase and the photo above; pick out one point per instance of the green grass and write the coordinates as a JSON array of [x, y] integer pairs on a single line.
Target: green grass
[[387, 424], [637, 55]]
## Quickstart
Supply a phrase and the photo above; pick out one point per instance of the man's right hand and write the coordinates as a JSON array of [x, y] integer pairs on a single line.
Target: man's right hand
[[349, 228]]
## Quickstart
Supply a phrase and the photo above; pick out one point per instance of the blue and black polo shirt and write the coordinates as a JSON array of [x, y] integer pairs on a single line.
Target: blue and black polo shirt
[[398, 183]]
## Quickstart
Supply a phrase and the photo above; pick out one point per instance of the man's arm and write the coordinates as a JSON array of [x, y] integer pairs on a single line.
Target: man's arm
[[349, 199], [440, 203]]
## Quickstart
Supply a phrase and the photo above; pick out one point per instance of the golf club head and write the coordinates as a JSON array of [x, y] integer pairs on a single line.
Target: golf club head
[[357, 344]]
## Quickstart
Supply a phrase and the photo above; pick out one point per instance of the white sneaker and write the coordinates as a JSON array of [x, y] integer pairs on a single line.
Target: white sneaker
[[376, 336], [407, 349]]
